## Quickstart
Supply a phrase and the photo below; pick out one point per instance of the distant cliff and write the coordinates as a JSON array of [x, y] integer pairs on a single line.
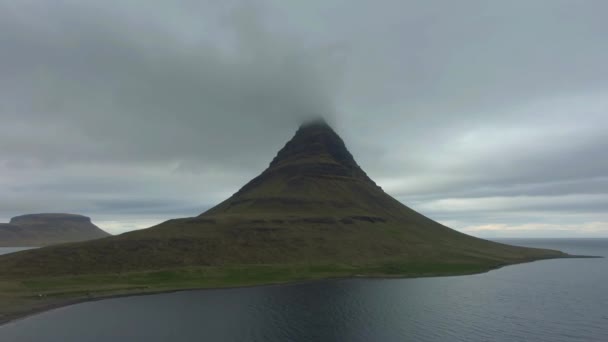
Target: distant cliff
[[48, 229]]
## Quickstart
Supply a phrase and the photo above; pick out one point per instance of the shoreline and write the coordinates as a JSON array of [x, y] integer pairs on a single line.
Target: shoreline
[[10, 318]]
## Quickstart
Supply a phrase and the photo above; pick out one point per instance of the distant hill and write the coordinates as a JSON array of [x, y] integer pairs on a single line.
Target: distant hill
[[313, 205], [47, 229]]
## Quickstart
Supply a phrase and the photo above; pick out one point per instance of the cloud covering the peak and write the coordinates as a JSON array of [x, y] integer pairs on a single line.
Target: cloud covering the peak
[[137, 89]]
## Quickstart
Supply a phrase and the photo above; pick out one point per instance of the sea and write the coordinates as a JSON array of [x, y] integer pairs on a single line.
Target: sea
[[561, 300]]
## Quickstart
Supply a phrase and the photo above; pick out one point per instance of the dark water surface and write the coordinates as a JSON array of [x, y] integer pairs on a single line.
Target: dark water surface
[[551, 300]]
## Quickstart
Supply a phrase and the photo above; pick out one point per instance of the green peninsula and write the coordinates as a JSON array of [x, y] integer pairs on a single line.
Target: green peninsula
[[312, 214]]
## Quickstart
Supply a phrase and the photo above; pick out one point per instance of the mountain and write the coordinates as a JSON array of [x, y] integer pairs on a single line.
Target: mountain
[[313, 205], [312, 214], [47, 229]]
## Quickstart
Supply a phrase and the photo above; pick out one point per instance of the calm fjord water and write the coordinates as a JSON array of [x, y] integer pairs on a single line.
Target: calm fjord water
[[551, 300]]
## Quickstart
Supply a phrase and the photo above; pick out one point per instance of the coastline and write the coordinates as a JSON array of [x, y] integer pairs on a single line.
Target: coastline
[[13, 317]]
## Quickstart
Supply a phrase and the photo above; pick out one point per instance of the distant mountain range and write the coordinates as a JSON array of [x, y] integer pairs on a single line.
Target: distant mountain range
[[47, 229]]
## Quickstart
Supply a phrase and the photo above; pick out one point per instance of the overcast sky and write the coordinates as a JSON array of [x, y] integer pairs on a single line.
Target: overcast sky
[[488, 116]]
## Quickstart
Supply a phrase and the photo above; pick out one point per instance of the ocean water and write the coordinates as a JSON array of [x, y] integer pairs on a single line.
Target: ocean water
[[6, 250], [550, 300]]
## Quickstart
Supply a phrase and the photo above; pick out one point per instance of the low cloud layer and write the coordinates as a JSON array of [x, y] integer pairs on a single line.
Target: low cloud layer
[[489, 117]]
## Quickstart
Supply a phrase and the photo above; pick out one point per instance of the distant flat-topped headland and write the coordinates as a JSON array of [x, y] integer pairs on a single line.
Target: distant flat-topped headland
[[34, 230]]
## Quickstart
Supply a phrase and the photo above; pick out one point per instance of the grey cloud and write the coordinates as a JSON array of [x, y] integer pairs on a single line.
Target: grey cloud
[[94, 82], [130, 111]]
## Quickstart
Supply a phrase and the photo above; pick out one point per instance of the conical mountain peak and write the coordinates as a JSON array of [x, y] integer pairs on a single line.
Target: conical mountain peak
[[315, 142], [313, 169]]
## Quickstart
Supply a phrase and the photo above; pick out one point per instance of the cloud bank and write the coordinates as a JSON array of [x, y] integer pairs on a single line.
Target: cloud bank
[[489, 117]]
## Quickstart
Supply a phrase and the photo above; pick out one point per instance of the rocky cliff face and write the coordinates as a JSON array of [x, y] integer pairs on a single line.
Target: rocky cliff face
[[48, 229], [316, 142]]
